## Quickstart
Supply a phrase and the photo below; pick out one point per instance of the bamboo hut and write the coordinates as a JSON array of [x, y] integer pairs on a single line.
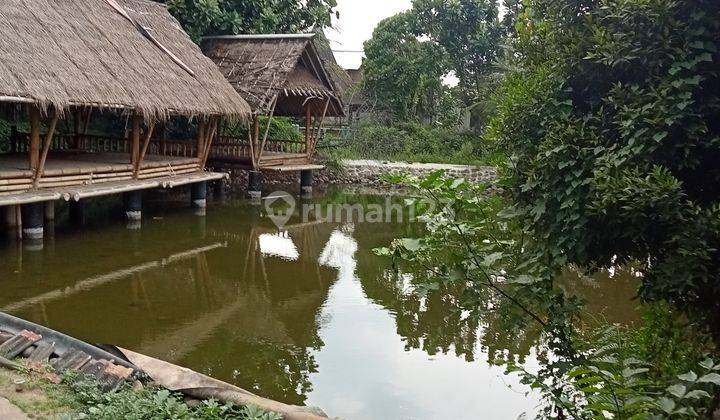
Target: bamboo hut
[[65, 63], [279, 75]]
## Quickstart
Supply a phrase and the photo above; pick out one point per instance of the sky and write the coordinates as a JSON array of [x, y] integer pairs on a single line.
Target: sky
[[357, 20]]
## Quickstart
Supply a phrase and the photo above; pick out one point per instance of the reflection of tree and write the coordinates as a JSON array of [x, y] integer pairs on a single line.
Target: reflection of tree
[[438, 322]]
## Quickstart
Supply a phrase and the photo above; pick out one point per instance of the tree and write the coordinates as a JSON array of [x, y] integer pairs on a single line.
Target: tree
[[470, 33], [401, 72], [614, 140], [230, 17]]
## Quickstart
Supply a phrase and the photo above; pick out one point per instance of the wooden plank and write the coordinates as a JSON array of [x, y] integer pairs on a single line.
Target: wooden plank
[[42, 354], [72, 360], [18, 344]]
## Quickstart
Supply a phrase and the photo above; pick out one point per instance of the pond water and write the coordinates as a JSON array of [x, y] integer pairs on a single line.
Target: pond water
[[305, 315]]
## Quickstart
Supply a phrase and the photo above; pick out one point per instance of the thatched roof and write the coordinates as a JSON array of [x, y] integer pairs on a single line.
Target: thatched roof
[[85, 53], [262, 67], [339, 78]]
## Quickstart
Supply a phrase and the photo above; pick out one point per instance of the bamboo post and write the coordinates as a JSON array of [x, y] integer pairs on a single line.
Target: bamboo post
[[208, 143], [146, 143], [34, 149], [308, 122], [202, 127], [255, 137], [46, 149], [267, 129], [135, 143], [317, 133]]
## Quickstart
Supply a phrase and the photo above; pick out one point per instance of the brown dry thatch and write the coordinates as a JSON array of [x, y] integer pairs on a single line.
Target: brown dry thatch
[[65, 53], [263, 67], [340, 79]]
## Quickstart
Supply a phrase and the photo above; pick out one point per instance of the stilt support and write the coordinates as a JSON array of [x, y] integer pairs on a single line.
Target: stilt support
[[255, 181], [133, 205], [50, 211], [306, 181], [32, 221], [198, 195]]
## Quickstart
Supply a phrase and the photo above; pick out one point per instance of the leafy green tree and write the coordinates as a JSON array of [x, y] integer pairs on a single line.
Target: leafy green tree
[[470, 33], [230, 17], [402, 73], [613, 131], [513, 11]]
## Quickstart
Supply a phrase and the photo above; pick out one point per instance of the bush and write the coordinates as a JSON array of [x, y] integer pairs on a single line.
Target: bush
[[614, 140], [414, 142], [150, 403], [282, 128]]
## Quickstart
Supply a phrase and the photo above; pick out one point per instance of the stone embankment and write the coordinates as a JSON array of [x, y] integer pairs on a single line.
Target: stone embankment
[[367, 173]]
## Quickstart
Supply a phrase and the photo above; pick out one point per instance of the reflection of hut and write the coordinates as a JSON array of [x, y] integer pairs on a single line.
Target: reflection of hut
[[64, 62], [279, 75]]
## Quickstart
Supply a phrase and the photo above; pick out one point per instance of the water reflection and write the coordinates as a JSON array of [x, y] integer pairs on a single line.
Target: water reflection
[[304, 315]]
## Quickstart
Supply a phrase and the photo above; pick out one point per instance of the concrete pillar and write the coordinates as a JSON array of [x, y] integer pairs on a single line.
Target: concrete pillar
[[255, 181], [133, 205], [32, 221], [49, 211], [306, 181], [198, 195], [77, 213]]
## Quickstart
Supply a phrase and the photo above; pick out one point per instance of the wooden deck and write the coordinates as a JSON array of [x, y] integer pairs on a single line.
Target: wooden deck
[[67, 169], [70, 175]]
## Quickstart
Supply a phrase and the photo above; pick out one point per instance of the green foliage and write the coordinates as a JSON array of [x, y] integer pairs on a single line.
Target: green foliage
[[230, 17], [613, 137], [479, 243], [468, 31], [281, 128], [402, 73], [150, 403], [414, 142], [608, 381]]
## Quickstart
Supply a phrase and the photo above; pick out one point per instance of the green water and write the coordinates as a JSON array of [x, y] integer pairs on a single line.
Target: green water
[[306, 315]]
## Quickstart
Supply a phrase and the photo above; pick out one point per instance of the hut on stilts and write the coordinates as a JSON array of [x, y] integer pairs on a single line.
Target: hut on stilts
[[279, 75], [65, 65]]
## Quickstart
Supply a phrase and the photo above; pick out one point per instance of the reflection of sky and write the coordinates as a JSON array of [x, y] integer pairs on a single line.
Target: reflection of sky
[[366, 373], [278, 245]]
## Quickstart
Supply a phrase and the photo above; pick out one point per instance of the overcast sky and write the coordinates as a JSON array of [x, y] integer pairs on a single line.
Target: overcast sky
[[357, 20]]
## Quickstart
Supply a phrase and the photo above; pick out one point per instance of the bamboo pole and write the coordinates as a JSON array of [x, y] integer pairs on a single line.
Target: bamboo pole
[[146, 143], [267, 129], [208, 143], [34, 149], [308, 122], [202, 127], [135, 139], [46, 149], [317, 134], [255, 138]]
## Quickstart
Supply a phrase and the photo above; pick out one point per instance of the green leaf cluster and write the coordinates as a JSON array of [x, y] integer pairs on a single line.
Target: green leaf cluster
[[230, 17], [613, 140]]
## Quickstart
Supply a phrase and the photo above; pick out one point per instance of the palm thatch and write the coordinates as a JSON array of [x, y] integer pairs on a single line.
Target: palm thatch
[[339, 78], [64, 53], [266, 68]]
